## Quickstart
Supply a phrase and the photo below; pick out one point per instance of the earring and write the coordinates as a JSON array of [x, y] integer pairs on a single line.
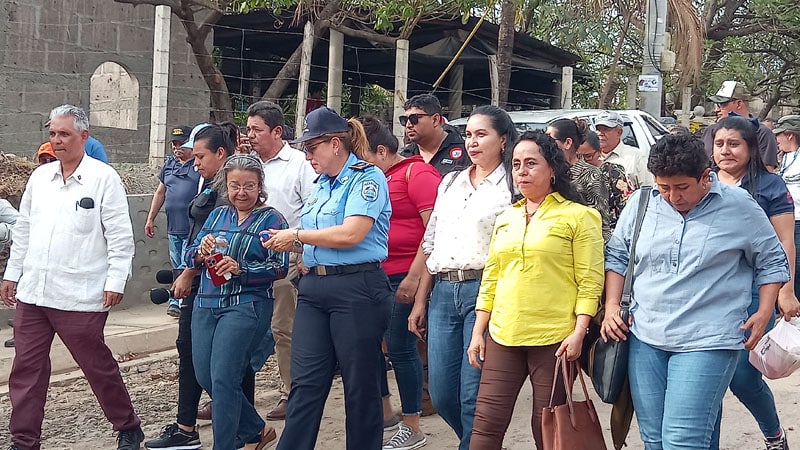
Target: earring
[[383, 157], [553, 180]]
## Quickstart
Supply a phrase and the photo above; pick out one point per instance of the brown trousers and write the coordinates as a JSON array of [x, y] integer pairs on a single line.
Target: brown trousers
[[504, 370]]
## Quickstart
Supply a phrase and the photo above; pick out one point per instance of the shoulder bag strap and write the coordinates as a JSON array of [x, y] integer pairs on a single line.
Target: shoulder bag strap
[[625, 302]]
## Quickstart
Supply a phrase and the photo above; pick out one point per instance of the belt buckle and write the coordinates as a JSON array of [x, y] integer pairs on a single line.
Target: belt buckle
[[321, 271], [460, 278]]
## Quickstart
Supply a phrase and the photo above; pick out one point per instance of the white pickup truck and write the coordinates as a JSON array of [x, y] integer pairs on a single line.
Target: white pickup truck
[[641, 130]]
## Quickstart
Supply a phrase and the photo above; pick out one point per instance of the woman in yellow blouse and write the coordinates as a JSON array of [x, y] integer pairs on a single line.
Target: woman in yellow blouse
[[540, 289]]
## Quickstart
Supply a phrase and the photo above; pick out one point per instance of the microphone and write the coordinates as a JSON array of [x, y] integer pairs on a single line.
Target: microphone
[[160, 295], [165, 276]]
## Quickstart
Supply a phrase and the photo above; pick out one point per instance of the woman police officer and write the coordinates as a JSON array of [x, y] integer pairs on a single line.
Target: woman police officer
[[345, 301]]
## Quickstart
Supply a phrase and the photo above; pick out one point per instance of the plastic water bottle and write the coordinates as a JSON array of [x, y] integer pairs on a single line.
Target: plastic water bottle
[[221, 243]]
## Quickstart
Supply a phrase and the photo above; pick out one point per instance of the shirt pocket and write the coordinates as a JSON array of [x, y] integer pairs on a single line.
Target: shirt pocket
[[330, 215], [557, 238], [84, 220]]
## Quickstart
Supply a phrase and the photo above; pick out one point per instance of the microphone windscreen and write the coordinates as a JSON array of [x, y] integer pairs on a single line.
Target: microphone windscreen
[[159, 295], [165, 276]]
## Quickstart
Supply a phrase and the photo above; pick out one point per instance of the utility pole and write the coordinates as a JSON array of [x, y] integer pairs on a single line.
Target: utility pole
[[335, 58], [303, 79], [160, 91], [402, 51], [651, 82]]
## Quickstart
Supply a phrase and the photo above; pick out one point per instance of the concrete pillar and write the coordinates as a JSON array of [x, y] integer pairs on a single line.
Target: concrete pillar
[[305, 74], [158, 100], [400, 86], [335, 62], [654, 39], [566, 87], [633, 84], [454, 102]]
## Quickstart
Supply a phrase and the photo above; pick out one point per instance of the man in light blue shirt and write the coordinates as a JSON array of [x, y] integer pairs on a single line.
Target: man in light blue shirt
[[702, 245]]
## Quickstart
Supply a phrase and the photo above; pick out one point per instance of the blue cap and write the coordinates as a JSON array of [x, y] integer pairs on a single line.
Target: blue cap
[[320, 122], [198, 127]]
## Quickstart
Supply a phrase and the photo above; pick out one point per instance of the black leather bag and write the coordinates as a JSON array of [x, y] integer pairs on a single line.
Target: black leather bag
[[608, 361]]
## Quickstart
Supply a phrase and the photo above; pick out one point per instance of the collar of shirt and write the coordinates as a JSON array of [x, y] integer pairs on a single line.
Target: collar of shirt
[[497, 176], [283, 154], [76, 175]]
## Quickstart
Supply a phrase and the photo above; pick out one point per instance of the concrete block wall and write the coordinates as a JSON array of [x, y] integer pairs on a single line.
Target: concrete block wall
[[51, 48], [152, 254]]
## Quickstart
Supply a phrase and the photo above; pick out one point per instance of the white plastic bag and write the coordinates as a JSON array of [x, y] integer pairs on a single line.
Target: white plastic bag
[[777, 354]]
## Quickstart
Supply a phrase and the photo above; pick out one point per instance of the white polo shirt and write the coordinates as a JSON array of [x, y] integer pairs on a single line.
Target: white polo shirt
[[289, 180]]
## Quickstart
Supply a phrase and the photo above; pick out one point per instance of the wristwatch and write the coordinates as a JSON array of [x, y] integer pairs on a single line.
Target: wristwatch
[[297, 241]]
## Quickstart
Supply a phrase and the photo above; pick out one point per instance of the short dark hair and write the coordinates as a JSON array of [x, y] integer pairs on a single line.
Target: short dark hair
[[593, 140], [556, 160], [224, 135], [678, 155], [270, 112], [426, 102], [378, 133]]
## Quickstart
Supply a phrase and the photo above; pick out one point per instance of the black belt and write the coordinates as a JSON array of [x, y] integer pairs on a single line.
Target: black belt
[[341, 270], [455, 276]]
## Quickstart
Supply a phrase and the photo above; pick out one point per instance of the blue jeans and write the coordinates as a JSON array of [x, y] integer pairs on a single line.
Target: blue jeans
[[222, 343], [402, 346], [749, 387], [677, 396], [177, 243], [452, 382]]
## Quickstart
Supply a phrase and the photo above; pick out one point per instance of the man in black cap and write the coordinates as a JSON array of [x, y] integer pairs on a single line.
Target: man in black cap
[[732, 99], [178, 185]]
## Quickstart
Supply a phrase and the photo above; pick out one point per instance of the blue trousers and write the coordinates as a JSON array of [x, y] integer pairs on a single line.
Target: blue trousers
[[750, 388], [402, 346], [452, 382], [344, 318], [177, 243], [677, 396], [222, 342]]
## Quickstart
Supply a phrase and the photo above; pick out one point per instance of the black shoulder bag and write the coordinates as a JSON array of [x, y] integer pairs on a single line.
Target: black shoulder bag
[[608, 361]]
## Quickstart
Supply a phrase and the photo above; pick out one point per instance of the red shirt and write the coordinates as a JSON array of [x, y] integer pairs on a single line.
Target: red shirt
[[405, 224]]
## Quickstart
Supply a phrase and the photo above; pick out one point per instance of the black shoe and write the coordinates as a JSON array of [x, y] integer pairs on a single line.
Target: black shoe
[[13, 447], [130, 439], [174, 438], [9, 343]]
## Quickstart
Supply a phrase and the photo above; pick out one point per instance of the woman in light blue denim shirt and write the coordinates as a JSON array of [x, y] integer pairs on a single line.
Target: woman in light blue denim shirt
[[694, 268]]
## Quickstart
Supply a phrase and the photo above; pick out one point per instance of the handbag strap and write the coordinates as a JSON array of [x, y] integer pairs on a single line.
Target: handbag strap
[[568, 369], [644, 198]]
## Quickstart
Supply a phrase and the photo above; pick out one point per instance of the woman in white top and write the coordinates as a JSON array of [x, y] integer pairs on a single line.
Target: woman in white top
[[457, 242], [787, 132]]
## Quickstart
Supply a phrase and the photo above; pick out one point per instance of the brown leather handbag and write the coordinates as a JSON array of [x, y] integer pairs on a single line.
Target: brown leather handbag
[[573, 426]]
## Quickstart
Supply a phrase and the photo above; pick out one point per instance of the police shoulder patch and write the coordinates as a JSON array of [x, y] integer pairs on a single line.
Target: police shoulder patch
[[369, 190], [361, 166]]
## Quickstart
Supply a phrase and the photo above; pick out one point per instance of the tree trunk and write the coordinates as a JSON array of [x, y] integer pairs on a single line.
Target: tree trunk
[[505, 50], [610, 81], [291, 68], [221, 105]]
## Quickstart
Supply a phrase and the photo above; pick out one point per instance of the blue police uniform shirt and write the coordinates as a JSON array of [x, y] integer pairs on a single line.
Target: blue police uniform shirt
[[360, 189], [180, 180]]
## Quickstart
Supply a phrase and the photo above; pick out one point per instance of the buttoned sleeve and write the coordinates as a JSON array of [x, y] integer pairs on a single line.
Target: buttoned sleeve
[[618, 248], [118, 233], [491, 271], [21, 233], [587, 250], [765, 252], [368, 195]]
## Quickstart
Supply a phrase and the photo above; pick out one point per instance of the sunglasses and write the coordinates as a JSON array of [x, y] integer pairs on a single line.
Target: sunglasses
[[413, 118], [309, 149]]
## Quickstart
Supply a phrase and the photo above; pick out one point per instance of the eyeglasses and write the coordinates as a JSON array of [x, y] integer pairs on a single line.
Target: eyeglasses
[[413, 118], [249, 187], [310, 149]]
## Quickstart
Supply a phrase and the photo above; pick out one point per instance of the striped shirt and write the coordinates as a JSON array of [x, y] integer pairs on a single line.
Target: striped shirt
[[259, 266]]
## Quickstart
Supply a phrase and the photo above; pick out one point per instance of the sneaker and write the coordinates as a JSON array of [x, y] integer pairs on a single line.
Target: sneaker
[[174, 438], [390, 424], [778, 443], [9, 343], [130, 439], [406, 439], [174, 311], [13, 447]]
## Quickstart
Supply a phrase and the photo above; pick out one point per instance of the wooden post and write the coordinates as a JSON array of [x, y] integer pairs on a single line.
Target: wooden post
[[566, 87], [494, 77], [633, 86], [335, 61], [454, 101], [158, 100], [400, 86], [305, 73]]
